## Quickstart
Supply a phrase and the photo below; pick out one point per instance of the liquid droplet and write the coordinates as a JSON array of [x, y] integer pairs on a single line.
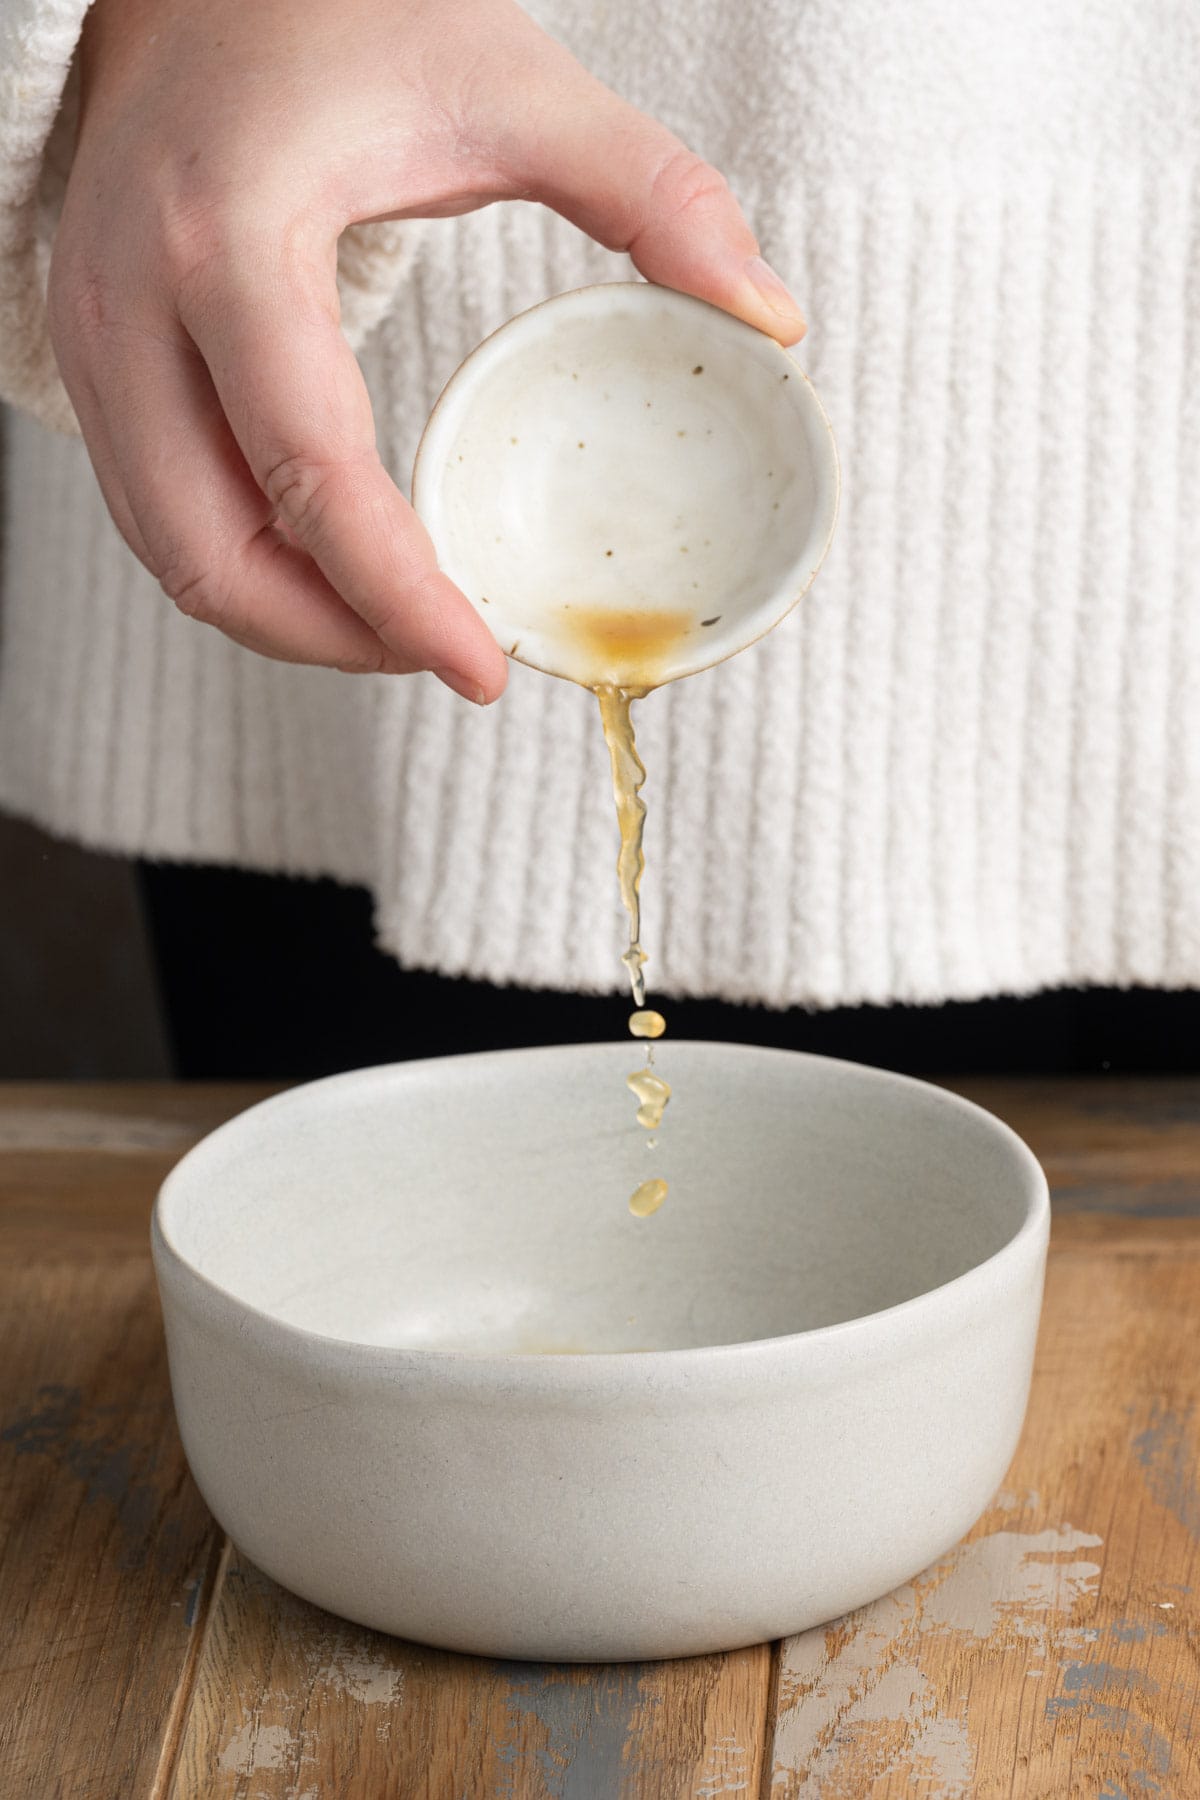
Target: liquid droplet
[[651, 1093], [647, 1198], [647, 1024]]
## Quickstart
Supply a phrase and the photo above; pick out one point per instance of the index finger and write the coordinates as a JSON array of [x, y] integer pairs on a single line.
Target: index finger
[[299, 408]]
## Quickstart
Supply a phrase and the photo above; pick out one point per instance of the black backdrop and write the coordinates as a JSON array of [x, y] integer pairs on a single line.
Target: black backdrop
[[264, 977]]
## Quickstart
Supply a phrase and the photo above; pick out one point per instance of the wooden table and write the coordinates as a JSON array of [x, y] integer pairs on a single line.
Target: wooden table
[[1055, 1653]]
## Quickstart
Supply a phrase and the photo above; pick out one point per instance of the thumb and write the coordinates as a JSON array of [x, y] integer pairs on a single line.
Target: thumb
[[632, 185]]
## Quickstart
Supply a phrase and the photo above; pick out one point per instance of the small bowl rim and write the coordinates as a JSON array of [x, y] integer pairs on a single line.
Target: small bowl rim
[[559, 1368], [675, 295]]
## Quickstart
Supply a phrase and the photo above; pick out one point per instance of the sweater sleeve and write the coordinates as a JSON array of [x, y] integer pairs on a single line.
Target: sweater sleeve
[[38, 109], [37, 46]]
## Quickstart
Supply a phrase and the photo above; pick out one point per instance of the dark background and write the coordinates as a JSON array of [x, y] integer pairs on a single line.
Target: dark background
[[114, 969]]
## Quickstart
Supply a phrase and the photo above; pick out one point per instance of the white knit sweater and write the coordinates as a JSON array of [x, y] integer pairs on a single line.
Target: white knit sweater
[[970, 763]]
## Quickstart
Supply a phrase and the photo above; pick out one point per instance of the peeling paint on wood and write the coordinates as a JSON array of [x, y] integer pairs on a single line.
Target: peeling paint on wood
[[1036, 1660], [103, 1449], [356, 1712], [855, 1704], [586, 1724], [1169, 1457], [101, 1530], [1033, 1661]]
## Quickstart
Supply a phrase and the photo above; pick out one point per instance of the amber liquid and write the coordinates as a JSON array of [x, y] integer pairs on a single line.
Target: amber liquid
[[628, 774], [627, 648], [647, 1198]]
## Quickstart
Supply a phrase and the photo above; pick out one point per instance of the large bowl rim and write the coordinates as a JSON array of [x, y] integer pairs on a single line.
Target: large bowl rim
[[803, 570], [950, 1299]]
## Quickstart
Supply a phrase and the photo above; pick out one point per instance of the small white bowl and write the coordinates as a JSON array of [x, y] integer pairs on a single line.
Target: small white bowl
[[628, 484], [835, 1312]]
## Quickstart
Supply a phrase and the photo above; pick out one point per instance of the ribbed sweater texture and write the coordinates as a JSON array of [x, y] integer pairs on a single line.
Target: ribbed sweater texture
[[969, 763]]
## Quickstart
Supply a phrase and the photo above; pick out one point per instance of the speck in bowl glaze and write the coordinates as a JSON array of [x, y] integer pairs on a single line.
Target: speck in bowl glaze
[[807, 1376]]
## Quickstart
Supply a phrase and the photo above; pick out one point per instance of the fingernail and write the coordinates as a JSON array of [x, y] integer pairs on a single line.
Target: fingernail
[[462, 684], [772, 291]]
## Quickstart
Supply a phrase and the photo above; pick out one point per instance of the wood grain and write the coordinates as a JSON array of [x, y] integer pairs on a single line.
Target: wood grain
[[1129, 1145], [292, 1703], [1057, 1651], [106, 1549], [1053, 1654], [105, 1542]]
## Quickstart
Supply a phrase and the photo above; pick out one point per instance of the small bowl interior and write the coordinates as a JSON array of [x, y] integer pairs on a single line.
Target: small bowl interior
[[628, 450], [480, 1202]]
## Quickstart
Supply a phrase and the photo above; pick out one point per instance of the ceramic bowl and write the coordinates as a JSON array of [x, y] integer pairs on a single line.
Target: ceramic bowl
[[807, 1376], [628, 484]]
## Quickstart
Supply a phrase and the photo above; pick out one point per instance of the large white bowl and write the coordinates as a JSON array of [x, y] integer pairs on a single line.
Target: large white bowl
[[621, 453], [813, 1362]]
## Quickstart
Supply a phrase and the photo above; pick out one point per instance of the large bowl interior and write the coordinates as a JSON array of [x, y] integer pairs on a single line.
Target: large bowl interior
[[480, 1203], [628, 449]]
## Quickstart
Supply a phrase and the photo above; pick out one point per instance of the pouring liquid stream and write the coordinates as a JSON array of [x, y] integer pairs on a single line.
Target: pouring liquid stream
[[628, 773]]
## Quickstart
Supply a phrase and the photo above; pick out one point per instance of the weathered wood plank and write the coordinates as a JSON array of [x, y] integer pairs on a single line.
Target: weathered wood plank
[[1040, 1662], [50, 1109], [106, 1550], [292, 1703], [79, 1166], [1056, 1652], [105, 1546], [1122, 1145]]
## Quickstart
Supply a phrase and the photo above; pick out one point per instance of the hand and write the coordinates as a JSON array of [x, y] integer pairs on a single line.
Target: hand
[[223, 148]]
